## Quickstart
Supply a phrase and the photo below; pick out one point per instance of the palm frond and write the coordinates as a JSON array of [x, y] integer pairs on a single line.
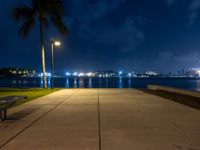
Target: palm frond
[[55, 8], [59, 25], [43, 11], [49, 7], [23, 12], [26, 27], [35, 4]]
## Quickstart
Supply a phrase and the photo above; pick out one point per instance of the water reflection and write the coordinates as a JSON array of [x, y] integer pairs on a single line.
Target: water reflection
[[192, 84], [90, 83], [75, 83], [48, 82], [106, 82], [25, 81], [14, 81], [129, 82], [197, 85], [34, 81], [120, 83], [78, 82], [41, 82], [100, 83], [67, 83], [81, 83], [19, 82]]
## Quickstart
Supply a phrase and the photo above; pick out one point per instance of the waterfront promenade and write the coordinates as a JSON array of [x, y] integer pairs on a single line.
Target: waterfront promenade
[[101, 119]]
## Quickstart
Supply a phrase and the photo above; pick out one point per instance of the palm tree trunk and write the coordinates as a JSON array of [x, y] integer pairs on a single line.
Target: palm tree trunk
[[43, 54]]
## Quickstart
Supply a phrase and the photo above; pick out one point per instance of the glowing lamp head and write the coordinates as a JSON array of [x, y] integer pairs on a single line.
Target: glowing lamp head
[[57, 43]]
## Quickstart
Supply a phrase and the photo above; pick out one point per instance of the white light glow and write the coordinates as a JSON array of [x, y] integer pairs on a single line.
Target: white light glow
[[68, 74], [81, 74], [198, 72], [47, 74], [89, 74], [57, 43]]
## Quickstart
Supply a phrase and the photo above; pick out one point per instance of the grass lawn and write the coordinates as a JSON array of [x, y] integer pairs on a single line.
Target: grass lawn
[[31, 93]]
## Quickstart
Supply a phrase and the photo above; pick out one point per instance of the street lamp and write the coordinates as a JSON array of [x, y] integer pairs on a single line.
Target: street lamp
[[57, 43], [53, 43]]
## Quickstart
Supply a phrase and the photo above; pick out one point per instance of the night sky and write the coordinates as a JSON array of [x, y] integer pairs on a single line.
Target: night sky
[[159, 35]]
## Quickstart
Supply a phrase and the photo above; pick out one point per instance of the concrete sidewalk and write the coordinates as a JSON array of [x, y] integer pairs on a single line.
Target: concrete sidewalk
[[101, 119]]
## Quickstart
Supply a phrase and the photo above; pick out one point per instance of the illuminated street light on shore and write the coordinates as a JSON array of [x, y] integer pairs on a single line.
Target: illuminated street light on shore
[[129, 74], [81, 74], [53, 43], [89, 74], [198, 72], [75, 73], [57, 43], [68, 74], [120, 73], [47, 75]]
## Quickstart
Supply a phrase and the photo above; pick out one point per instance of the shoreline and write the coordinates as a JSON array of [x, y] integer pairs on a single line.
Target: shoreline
[[150, 77]]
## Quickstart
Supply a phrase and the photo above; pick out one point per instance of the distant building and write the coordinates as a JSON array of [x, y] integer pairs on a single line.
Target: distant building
[[182, 72], [179, 72], [193, 72], [108, 73], [151, 73], [17, 72]]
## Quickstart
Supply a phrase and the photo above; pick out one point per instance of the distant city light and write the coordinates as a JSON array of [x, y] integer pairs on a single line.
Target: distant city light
[[81, 74], [198, 72], [192, 72], [151, 73], [68, 74], [75, 73], [89, 74], [47, 74]]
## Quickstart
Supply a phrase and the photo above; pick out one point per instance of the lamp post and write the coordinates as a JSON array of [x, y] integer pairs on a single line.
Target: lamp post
[[53, 43]]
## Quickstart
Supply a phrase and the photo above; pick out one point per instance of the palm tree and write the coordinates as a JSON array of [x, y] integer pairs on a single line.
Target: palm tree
[[44, 11]]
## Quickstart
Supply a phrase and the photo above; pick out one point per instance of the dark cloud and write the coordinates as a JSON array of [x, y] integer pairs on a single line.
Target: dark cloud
[[185, 60], [170, 2], [84, 11], [193, 9], [126, 35]]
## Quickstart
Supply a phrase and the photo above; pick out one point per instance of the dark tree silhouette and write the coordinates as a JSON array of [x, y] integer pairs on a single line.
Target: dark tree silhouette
[[44, 11]]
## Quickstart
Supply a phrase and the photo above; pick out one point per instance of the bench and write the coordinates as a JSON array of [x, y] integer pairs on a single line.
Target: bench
[[6, 103]]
